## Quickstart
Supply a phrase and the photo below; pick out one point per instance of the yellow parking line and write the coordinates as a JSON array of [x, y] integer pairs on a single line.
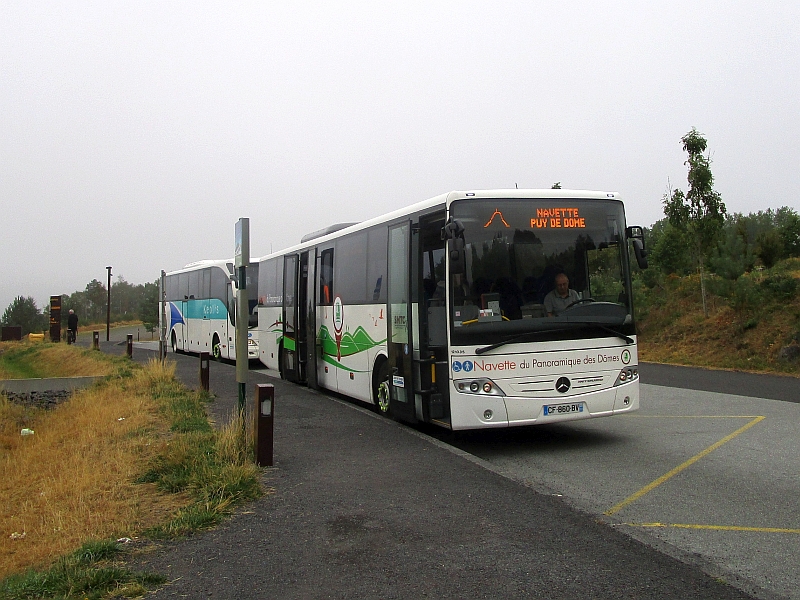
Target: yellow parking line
[[717, 527], [637, 416], [651, 486]]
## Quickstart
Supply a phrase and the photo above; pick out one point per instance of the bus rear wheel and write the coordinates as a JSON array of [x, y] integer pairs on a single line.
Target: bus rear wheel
[[381, 388], [216, 350], [174, 343]]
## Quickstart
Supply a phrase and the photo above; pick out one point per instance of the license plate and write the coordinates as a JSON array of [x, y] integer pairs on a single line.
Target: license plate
[[563, 409]]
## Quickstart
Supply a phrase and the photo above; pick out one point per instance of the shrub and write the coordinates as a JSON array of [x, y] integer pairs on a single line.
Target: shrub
[[780, 287]]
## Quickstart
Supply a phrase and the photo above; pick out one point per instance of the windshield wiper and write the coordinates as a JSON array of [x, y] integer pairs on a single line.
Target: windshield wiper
[[517, 338], [621, 336], [525, 336]]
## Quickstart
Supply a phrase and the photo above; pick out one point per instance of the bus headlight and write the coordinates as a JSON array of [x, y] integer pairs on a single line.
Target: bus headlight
[[627, 375], [482, 387]]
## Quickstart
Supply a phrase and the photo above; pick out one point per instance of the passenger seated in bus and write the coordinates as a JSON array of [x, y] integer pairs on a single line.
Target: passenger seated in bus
[[561, 297]]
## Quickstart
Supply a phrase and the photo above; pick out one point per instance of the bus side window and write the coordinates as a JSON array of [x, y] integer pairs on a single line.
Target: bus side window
[[326, 277]]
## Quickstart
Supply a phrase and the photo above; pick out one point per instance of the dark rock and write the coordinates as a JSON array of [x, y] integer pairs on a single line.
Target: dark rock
[[790, 353]]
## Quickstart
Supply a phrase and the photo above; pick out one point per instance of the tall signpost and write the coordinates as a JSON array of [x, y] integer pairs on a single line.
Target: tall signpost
[[162, 320], [241, 260], [108, 307], [55, 318]]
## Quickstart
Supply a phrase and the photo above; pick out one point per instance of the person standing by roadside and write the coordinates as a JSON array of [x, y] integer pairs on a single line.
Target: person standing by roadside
[[72, 327]]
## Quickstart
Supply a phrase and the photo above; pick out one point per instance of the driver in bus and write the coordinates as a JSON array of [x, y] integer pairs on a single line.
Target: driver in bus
[[561, 297]]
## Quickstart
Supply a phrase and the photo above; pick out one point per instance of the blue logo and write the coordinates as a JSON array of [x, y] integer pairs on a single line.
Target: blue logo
[[458, 366]]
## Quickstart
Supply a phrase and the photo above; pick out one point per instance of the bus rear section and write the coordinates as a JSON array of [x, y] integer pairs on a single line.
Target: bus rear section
[[200, 310]]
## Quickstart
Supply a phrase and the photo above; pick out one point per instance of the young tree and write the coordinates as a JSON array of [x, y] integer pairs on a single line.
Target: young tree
[[700, 213], [148, 309], [23, 312]]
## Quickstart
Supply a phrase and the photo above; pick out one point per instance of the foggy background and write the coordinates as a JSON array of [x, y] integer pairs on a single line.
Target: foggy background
[[136, 134]]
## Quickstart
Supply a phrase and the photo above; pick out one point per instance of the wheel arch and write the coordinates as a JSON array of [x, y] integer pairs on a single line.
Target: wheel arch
[[381, 358]]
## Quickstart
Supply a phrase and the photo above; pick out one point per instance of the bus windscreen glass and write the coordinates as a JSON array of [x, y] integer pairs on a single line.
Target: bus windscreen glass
[[517, 251]]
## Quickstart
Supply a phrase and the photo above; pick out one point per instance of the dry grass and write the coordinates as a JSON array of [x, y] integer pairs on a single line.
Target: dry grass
[[72, 481]]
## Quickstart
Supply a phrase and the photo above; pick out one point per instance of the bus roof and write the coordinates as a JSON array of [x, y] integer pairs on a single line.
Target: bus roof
[[334, 231]]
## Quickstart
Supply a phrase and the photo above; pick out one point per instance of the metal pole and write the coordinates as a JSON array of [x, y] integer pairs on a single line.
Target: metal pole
[[241, 337], [162, 335], [204, 371], [108, 307]]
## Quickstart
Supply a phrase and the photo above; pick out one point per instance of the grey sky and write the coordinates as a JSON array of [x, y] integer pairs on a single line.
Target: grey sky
[[136, 134]]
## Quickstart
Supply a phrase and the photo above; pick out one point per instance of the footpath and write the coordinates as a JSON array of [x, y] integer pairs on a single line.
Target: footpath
[[360, 506]]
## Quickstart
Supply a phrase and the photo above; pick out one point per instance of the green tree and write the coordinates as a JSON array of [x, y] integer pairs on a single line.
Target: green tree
[[23, 312], [96, 299], [668, 249], [699, 213], [148, 309], [788, 224], [769, 247], [733, 256]]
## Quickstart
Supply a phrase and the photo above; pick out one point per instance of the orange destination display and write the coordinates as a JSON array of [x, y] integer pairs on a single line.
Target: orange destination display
[[557, 218]]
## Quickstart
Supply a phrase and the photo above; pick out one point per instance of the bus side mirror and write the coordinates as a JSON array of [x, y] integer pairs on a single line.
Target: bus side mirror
[[454, 231], [636, 235]]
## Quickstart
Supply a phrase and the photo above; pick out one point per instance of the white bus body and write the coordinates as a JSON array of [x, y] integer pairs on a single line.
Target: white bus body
[[436, 312], [201, 309]]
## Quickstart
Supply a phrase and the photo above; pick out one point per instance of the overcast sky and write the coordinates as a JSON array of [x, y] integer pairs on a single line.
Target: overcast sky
[[135, 134]]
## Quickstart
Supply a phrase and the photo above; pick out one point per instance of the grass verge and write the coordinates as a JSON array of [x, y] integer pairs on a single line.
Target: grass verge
[[133, 456], [25, 360]]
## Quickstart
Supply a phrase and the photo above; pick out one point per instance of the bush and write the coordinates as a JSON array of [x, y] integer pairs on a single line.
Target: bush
[[780, 287], [746, 295]]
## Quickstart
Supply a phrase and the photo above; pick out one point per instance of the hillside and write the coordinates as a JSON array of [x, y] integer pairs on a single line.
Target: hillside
[[753, 322]]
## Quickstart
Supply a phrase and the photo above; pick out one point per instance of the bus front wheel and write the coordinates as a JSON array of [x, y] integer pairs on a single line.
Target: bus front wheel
[[174, 343]]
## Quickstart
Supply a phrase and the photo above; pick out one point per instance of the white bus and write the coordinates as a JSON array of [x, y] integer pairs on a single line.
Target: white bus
[[201, 309], [437, 312]]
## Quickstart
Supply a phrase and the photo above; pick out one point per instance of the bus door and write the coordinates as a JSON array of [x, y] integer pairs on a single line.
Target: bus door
[[432, 358], [310, 318], [302, 312], [183, 339], [399, 325], [288, 356]]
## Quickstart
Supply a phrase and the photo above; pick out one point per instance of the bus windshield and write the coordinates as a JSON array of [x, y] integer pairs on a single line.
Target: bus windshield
[[557, 268]]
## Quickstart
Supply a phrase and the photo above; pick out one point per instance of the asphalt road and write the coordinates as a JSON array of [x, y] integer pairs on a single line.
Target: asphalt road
[[363, 507], [706, 471]]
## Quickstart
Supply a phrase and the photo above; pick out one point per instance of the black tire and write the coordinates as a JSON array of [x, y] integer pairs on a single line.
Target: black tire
[[216, 349], [174, 343], [380, 388]]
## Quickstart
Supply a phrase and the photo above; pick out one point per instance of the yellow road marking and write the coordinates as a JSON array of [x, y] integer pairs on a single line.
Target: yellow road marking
[[651, 486], [717, 527], [636, 416]]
